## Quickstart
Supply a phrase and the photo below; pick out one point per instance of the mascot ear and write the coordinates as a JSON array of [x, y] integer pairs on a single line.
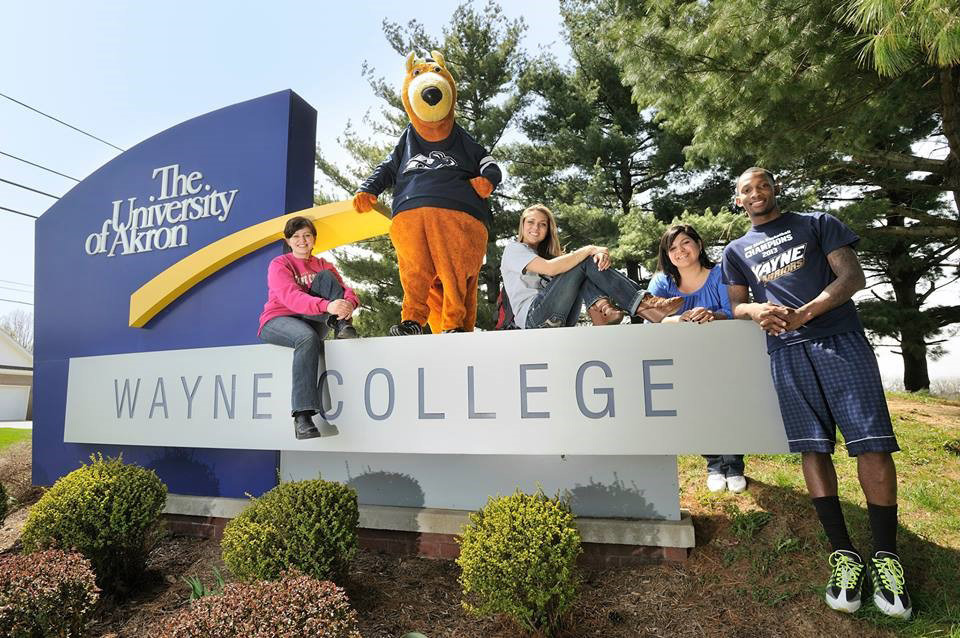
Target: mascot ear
[[438, 58], [410, 59]]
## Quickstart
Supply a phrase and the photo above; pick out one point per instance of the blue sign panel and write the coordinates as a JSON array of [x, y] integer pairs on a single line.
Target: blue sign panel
[[145, 210]]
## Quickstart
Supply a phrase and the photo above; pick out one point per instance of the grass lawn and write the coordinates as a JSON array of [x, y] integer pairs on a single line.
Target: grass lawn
[[9, 436], [773, 550]]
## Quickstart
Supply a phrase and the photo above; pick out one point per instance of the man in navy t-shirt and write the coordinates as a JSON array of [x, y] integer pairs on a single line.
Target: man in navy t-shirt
[[803, 272]]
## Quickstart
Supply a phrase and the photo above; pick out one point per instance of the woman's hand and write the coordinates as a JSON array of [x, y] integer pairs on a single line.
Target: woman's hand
[[698, 315], [601, 257], [341, 308]]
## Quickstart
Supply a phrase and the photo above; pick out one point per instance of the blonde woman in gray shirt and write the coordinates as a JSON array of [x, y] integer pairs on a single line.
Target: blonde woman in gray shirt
[[546, 286]]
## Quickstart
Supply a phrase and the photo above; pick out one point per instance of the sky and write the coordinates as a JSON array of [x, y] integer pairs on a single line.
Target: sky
[[124, 71]]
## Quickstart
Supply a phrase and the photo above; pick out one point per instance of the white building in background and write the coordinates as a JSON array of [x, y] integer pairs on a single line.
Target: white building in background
[[16, 380]]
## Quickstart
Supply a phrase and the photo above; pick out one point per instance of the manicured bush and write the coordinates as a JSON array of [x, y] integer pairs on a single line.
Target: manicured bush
[[310, 526], [518, 558], [108, 511], [50, 593], [294, 606], [3, 502]]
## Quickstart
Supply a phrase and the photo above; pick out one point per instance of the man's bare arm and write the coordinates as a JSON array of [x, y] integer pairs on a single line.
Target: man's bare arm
[[845, 265]]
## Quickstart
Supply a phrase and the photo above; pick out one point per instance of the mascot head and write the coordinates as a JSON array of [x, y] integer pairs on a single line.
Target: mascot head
[[429, 95]]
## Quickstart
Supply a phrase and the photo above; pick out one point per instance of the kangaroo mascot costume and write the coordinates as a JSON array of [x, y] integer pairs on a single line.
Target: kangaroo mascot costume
[[441, 179]]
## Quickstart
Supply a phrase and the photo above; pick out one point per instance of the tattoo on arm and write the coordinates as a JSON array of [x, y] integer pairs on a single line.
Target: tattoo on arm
[[845, 265]]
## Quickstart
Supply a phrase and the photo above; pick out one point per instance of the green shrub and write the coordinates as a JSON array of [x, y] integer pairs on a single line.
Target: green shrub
[[108, 511], [50, 593], [4, 508], [295, 606], [518, 558], [310, 526]]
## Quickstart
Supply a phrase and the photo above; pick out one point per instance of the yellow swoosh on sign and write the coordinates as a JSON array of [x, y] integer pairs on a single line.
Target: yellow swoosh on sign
[[337, 224]]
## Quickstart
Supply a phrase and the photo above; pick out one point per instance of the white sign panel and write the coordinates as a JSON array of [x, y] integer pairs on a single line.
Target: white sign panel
[[630, 389]]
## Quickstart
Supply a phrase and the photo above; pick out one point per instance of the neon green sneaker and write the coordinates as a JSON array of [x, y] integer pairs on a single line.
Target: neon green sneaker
[[889, 590], [846, 581]]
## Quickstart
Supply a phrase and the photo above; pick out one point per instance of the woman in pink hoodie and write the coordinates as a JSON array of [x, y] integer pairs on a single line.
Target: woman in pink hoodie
[[306, 296]]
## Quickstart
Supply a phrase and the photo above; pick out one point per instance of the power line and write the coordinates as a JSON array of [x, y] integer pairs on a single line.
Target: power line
[[62, 122], [26, 292], [25, 303], [10, 210], [20, 159], [7, 181], [19, 283]]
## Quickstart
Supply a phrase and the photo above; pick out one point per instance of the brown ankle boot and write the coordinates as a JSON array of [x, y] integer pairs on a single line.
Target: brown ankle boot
[[604, 313], [655, 309]]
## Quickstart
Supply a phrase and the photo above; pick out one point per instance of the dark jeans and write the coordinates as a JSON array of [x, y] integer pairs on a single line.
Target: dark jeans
[[724, 464], [558, 304], [305, 333]]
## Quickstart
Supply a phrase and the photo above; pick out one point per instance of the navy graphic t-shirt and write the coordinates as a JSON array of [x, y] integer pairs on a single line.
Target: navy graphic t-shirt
[[785, 262], [437, 174]]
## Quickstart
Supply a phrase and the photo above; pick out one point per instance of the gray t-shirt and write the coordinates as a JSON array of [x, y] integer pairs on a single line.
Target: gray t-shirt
[[521, 287]]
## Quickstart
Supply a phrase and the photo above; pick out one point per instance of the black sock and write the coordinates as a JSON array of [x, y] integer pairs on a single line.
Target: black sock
[[831, 517], [883, 525]]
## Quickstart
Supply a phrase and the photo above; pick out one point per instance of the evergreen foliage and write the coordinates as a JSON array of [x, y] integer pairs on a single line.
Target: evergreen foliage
[[518, 558], [108, 511], [780, 84], [591, 155], [482, 49], [310, 526], [898, 34]]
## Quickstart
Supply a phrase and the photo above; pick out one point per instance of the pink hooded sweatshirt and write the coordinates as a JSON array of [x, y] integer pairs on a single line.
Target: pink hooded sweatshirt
[[288, 283]]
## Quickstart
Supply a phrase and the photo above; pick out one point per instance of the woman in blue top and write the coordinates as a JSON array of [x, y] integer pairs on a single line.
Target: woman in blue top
[[685, 270]]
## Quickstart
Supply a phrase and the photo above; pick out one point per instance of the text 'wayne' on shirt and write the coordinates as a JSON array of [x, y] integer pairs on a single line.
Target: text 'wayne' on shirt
[[785, 262]]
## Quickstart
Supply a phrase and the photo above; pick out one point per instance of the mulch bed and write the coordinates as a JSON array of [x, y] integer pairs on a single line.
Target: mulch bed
[[716, 593], [394, 595]]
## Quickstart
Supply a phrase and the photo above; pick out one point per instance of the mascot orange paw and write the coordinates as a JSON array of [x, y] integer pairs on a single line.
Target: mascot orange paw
[[363, 202], [482, 186]]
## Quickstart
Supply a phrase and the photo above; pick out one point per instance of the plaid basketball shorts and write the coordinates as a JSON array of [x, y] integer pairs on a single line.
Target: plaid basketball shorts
[[832, 382]]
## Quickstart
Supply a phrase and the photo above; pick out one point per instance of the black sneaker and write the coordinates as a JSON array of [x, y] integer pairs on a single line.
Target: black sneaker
[[889, 589], [303, 427], [345, 330], [406, 327], [452, 330], [846, 581]]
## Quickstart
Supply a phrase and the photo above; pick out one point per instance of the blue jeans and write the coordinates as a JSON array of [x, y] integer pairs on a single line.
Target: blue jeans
[[558, 304], [725, 464], [305, 333]]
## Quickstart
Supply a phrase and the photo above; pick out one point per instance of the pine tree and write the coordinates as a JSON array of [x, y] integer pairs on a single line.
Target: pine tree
[[482, 49], [591, 156], [781, 82]]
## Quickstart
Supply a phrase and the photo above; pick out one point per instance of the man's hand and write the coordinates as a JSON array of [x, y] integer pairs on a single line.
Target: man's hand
[[797, 318], [341, 308], [771, 317]]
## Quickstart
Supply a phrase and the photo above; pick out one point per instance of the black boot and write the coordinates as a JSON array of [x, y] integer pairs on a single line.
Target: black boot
[[303, 427], [345, 330]]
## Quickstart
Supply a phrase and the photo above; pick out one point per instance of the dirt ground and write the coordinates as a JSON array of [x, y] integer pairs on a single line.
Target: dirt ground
[[720, 591]]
